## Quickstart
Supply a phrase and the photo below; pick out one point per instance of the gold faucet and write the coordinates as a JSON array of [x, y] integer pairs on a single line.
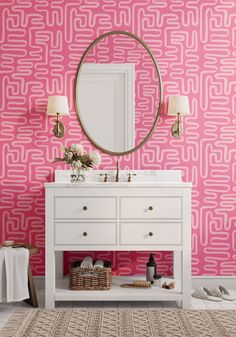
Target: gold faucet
[[117, 171], [105, 180], [129, 176]]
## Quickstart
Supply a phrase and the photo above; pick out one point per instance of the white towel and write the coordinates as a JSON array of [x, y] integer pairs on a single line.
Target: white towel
[[99, 264], [16, 263], [3, 294], [87, 262]]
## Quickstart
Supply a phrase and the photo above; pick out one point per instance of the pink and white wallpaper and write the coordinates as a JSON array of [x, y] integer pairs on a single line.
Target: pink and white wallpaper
[[41, 43]]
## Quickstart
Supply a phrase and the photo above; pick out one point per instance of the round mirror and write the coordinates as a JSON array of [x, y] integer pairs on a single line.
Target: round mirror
[[118, 92]]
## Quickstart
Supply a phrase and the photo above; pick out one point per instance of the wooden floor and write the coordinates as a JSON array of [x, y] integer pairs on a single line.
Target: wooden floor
[[6, 310]]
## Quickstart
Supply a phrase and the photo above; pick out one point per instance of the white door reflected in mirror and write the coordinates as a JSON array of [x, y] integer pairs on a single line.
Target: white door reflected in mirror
[[106, 102]]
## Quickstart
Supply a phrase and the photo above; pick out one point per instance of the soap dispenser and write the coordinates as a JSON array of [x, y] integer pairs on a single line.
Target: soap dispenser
[[151, 269]]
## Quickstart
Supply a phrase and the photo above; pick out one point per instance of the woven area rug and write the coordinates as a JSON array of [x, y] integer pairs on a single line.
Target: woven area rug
[[121, 323]]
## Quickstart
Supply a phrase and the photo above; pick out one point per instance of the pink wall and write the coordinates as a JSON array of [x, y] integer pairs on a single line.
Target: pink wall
[[194, 43]]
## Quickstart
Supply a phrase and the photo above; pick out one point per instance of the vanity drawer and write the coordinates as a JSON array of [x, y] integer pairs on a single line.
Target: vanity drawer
[[85, 207], [133, 233], [151, 208], [85, 233]]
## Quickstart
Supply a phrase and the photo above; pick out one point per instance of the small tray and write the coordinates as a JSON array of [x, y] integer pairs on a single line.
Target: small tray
[[137, 284]]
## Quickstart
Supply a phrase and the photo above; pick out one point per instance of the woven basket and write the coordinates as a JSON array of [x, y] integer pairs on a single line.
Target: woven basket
[[90, 278]]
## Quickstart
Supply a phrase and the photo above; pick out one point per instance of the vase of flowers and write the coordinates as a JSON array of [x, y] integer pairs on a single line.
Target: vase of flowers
[[80, 160]]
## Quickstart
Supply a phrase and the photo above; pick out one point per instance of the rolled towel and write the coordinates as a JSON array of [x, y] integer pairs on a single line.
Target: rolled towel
[[87, 262], [99, 264]]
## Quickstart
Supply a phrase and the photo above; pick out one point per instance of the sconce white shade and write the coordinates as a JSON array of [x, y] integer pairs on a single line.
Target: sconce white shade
[[58, 105], [178, 104]]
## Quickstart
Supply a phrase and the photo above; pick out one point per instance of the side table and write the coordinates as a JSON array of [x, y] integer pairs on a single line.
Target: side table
[[32, 300]]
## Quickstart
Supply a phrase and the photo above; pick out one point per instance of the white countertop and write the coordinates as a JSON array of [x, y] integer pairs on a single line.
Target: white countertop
[[142, 178], [117, 185]]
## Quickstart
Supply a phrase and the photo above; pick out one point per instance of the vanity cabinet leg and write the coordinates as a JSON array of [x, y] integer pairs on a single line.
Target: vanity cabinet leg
[[186, 280], [186, 303], [59, 265], [50, 284], [177, 272], [179, 304], [50, 272]]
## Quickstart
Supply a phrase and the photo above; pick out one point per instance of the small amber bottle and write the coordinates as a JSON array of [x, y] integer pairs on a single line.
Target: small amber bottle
[[151, 269]]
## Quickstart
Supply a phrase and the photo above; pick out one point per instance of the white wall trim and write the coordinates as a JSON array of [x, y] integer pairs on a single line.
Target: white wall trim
[[208, 281]]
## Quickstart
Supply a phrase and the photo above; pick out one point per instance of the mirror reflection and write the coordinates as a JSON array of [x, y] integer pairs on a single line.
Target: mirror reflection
[[118, 93]]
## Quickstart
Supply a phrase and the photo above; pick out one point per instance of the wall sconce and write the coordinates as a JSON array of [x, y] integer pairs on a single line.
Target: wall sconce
[[178, 105], [58, 106]]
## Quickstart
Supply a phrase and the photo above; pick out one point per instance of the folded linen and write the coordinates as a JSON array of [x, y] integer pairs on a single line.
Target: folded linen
[[99, 264], [87, 262], [16, 264]]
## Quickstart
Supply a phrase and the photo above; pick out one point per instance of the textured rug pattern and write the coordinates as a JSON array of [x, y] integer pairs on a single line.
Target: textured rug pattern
[[121, 323]]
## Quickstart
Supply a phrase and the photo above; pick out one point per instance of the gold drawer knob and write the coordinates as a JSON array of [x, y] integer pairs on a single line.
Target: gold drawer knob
[[150, 208], [85, 208], [85, 233], [150, 233]]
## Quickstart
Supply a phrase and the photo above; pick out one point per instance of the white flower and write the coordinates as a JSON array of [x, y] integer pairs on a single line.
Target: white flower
[[77, 165], [77, 149], [95, 157]]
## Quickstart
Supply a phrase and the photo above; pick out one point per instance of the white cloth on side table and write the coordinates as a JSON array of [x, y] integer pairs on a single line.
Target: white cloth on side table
[[87, 262], [16, 271]]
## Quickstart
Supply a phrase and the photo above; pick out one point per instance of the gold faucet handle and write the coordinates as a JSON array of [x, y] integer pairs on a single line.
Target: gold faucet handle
[[105, 176], [130, 175]]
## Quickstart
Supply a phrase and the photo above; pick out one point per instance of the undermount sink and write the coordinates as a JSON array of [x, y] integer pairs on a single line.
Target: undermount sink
[[141, 176]]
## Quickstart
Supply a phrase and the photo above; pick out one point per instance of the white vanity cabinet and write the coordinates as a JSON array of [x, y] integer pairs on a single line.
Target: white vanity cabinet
[[136, 216]]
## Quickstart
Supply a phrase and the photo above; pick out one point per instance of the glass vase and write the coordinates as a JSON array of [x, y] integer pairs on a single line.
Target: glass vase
[[80, 177], [73, 175], [77, 176]]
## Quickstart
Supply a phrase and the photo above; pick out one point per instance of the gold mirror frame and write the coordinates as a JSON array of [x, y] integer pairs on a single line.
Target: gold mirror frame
[[158, 110]]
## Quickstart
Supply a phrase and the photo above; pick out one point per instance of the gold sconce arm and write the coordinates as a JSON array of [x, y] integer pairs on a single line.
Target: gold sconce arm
[[177, 129], [59, 129]]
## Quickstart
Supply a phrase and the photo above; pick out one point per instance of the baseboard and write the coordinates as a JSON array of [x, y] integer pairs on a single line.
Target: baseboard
[[209, 281], [197, 281]]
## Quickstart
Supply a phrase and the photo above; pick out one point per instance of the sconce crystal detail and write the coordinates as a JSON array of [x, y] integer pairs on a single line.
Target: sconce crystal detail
[[58, 106], [178, 105]]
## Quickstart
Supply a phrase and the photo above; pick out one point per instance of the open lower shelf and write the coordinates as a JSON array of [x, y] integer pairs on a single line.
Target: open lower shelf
[[116, 293]]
